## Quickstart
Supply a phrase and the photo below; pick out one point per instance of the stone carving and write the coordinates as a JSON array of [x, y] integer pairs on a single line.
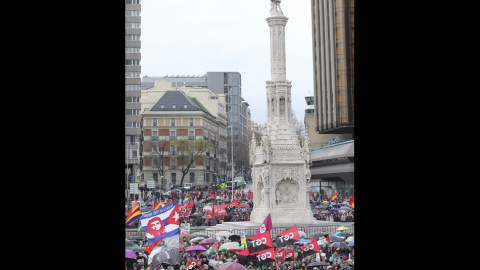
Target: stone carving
[[275, 4], [286, 192]]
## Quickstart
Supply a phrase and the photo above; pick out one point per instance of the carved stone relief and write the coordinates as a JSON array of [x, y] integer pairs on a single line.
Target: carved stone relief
[[286, 192]]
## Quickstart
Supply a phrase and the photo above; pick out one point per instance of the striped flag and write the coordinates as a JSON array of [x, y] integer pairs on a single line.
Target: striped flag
[[133, 214]]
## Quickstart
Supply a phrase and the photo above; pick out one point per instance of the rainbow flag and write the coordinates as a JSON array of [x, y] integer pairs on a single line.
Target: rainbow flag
[[133, 214], [334, 197]]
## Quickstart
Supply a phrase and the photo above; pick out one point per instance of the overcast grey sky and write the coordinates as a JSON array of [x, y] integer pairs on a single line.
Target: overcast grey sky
[[191, 37]]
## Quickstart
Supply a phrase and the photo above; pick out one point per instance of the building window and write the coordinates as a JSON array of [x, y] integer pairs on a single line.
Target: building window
[[132, 13], [132, 49], [162, 106], [192, 177], [154, 135], [132, 124], [135, 25], [174, 106], [154, 122], [190, 121], [172, 122], [132, 37], [155, 177], [184, 106], [172, 135], [173, 162], [129, 87], [174, 178], [191, 135], [132, 112], [132, 74], [225, 89], [132, 99], [132, 62], [132, 1]]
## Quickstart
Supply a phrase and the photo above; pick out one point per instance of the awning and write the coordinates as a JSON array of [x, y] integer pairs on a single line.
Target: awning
[[336, 151]]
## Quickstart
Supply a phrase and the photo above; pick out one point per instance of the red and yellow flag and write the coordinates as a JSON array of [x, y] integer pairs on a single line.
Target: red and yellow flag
[[334, 197], [350, 201]]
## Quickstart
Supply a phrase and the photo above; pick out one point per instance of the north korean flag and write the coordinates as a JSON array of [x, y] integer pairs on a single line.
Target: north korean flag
[[287, 237]]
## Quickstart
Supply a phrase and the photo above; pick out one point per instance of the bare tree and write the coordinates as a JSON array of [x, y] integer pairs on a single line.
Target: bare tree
[[161, 147], [189, 151], [298, 126]]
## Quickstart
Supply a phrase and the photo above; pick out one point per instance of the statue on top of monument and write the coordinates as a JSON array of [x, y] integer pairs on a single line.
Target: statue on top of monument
[[275, 4]]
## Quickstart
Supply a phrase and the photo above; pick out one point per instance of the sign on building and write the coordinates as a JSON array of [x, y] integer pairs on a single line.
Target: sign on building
[[151, 184], [333, 140], [134, 188]]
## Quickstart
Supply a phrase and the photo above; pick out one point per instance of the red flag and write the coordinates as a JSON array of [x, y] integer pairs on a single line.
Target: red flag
[[289, 255], [350, 201], [266, 225], [263, 257], [259, 242], [311, 248], [327, 239], [280, 254], [231, 206], [192, 264], [287, 237]]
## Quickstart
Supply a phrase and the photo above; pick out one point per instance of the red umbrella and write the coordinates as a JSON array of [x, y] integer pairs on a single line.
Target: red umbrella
[[208, 242], [231, 266]]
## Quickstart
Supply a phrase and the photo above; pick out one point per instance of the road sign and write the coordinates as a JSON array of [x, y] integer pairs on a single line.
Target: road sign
[[151, 184], [134, 188]]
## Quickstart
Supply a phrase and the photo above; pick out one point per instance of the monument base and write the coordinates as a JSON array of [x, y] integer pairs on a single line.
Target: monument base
[[281, 216]]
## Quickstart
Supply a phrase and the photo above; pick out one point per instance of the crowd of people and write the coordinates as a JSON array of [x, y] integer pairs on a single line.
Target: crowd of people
[[336, 259]]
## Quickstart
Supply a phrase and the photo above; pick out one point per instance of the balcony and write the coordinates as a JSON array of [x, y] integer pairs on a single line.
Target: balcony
[[173, 167], [173, 138], [173, 153], [191, 138], [208, 168], [154, 138]]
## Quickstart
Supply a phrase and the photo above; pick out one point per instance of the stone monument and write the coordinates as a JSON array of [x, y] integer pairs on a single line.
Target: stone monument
[[280, 165]]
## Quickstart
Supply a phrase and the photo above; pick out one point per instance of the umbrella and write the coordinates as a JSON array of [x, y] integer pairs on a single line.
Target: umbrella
[[196, 239], [192, 249], [130, 254], [234, 246], [199, 235], [316, 235], [186, 235], [145, 209], [302, 234], [324, 212], [302, 241], [343, 228], [350, 238], [231, 266], [135, 237], [224, 233], [234, 237], [208, 242], [137, 249], [339, 245], [316, 264], [351, 243], [346, 208], [129, 243], [333, 238]]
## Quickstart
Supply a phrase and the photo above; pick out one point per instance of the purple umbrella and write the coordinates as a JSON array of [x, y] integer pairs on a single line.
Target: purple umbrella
[[130, 254], [192, 249]]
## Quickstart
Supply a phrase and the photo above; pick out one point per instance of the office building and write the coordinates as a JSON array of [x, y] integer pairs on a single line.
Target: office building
[[333, 65], [238, 113], [132, 86]]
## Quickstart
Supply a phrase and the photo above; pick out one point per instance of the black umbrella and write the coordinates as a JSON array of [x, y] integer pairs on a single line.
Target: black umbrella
[[135, 237], [339, 245], [316, 264], [234, 238], [316, 235], [333, 238], [129, 243], [137, 249]]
